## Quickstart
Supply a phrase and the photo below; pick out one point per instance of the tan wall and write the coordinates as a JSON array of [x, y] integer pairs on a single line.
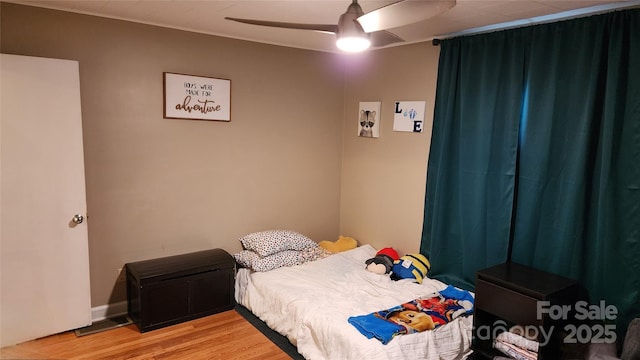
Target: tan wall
[[289, 158], [158, 187], [383, 179]]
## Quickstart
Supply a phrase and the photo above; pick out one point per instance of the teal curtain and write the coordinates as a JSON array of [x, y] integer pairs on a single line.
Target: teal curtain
[[578, 199], [472, 160], [535, 156]]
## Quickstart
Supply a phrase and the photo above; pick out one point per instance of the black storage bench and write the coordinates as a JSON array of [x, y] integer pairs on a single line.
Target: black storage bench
[[170, 290]]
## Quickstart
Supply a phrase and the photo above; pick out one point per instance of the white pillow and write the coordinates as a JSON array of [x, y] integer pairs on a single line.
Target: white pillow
[[269, 242], [252, 260]]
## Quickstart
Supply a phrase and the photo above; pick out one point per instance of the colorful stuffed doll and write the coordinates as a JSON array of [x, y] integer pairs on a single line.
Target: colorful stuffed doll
[[343, 243], [383, 261], [411, 266]]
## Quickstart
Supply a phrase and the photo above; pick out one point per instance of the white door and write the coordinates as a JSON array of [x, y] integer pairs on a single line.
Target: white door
[[44, 265]]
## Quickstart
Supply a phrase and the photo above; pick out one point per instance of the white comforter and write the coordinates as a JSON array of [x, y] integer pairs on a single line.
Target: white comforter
[[310, 304]]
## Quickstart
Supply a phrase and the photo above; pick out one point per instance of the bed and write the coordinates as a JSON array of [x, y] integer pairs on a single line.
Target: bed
[[311, 302]]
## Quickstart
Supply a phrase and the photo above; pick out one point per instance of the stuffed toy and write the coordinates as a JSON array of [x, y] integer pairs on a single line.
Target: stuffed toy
[[383, 261], [411, 266], [343, 243]]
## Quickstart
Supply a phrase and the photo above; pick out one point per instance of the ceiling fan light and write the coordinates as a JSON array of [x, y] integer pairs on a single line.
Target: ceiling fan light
[[350, 36], [353, 43]]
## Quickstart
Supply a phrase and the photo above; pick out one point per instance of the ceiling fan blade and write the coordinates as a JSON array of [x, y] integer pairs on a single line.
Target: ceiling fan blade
[[403, 13], [383, 38], [316, 27]]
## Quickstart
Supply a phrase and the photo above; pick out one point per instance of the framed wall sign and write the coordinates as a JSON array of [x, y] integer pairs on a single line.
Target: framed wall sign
[[196, 97], [408, 116], [369, 119]]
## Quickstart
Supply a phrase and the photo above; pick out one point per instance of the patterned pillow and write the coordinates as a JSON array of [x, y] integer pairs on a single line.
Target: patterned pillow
[[269, 242], [252, 260]]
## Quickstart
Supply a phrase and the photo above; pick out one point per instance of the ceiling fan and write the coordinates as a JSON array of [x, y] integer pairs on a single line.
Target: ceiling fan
[[356, 31]]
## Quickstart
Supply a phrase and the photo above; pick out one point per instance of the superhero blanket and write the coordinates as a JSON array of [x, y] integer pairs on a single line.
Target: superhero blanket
[[424, 313]]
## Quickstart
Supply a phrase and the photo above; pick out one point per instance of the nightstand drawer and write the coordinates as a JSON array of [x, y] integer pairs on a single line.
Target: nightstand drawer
[[505, 303]]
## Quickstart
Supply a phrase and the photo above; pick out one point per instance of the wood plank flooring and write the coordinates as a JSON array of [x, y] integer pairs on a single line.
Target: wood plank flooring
[[226, 335]]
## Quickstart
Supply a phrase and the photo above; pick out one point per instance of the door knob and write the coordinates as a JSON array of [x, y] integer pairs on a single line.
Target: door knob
[[78, 219]]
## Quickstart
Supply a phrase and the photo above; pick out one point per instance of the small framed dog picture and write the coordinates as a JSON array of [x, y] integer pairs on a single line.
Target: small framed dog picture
[[369, 119]]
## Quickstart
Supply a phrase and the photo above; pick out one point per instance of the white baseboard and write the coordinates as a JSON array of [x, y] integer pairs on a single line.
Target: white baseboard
[[107, 311]]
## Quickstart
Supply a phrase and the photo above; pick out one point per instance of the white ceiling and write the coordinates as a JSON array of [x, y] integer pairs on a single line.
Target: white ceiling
[[207, 16]]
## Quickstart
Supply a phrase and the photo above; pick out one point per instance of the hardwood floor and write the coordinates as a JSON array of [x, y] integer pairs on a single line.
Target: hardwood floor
[[225, 335]]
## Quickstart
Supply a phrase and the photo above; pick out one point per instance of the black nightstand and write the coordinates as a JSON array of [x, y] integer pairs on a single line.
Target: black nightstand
[[509, 295]]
